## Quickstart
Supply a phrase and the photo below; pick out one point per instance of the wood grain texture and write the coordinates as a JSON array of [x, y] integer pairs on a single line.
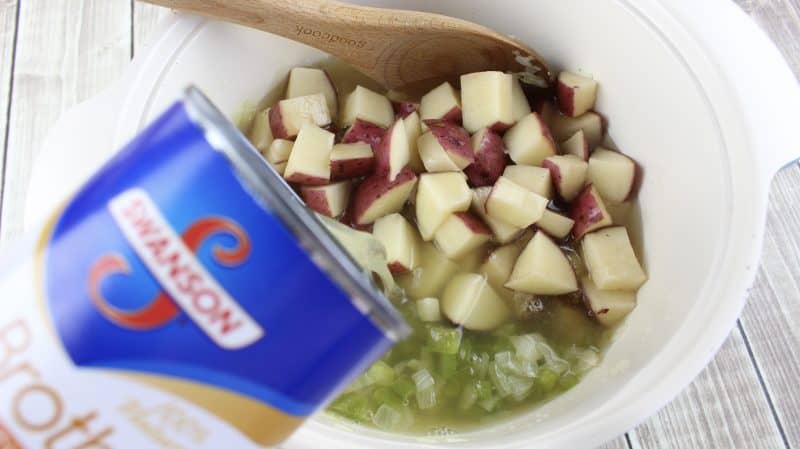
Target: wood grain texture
[[723, 408], [66, 52], [400, 49], [8, 29], [146, 19]]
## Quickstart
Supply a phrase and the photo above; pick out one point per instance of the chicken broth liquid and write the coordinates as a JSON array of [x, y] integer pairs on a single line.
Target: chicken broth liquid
[[446, 378]]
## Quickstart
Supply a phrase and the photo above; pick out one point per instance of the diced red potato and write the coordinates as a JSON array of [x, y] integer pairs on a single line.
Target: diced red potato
[[368, 106], [486, 100], [288, 116], [613, 174], [547, 112], [434, 271], [498, 267], [378, 197], [461, 233], [503, 232], [401, 241], [403, 109], [351, 160], [529, 141], [589, 212], [441, 103], [260, 132], [620, 212], [438, 196], [454, 140], [568, 173], [393, 153], [310, 159], [576, 94], [608, 307], [542, 269], [490, 158], [592, 124], [577, 145], [362, 131], [513, 204], [307, 81], [433, 156], [555, 224], [611, 261], [519, 103], [535, 179], [278, 154], [348, 218], [413, 131], [470, 301], [329, 200]]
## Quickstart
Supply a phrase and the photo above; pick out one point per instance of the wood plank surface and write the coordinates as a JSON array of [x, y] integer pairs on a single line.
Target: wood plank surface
[[8, 29], [67, 51]]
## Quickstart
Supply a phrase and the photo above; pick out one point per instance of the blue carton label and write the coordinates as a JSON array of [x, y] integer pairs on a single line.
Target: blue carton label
[[164, 264]]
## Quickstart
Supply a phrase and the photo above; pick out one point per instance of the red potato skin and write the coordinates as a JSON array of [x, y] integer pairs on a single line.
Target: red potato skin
[[500, 127], [363, 131], [585, 212], [373, 188], [306, 180], [316, 200], [555, 173], [490, 161], [452, 116], [473, 223], [398, 268], [276, 123], [342, 169], [403, 109], [566, 99], [453, 138], [349, 214]]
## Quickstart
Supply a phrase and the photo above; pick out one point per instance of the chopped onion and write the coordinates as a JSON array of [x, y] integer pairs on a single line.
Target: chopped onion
[[489, 404], [426, 394], [509, 384], [514, 365], [387, 418], [586, 359], [525, 347], [428, 310]]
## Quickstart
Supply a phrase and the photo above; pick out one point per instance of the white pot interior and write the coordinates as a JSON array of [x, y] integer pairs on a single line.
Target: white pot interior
[[658, 114]]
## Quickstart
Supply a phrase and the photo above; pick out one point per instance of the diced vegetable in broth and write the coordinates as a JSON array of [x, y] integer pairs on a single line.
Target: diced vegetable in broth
[[476, 224]]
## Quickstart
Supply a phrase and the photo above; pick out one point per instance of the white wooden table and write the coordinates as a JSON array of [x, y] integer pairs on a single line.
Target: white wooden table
[[56, 53]]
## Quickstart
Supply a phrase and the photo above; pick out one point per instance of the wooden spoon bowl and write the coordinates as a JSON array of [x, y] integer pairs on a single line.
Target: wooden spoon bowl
[[403, 50]]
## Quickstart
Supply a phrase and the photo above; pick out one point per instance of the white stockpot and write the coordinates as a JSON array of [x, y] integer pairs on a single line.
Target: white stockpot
[[694, 91]]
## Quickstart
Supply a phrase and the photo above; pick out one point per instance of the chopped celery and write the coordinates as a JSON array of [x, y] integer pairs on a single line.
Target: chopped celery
[[381, 373], [384, 395], [404, 387], [546, 379], [484, 389], [568, 381], [354, 406], [448, 365], [443, 339], [465, 349], [507, 330]]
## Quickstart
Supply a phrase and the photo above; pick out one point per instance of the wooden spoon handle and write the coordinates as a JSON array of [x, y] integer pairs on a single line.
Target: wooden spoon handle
[[330, 26]]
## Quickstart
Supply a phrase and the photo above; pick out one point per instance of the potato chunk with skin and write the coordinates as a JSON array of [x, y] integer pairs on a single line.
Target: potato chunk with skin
[[438, 196], [351, 160], [393, 153], [568, 174], [519, 103], [461, 233], [512, 203], [377, 197], [452, 139], [543, 269], [576, 93], [490, 158], [369, 106], [413, 131], [278, 154], [433, 272], [307, 81], [555, 224], [591, 123], [535, 179], [287, 118], [529, 141], [612, 173], [470, 301], [260, 132], [401, 241], [609, 307], [609, 256], [486, 100], [310, 160], [443, 103], [503, 232], [329, 200]]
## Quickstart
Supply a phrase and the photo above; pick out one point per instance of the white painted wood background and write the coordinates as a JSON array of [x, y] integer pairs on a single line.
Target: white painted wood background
[[56, 53]]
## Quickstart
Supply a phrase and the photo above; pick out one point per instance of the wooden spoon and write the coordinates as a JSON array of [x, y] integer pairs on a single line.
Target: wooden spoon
[[405, 50]]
